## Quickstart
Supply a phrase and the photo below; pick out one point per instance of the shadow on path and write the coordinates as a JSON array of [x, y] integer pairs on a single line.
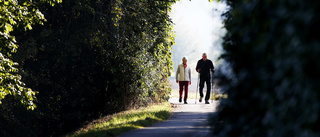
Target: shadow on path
[[187, 120]]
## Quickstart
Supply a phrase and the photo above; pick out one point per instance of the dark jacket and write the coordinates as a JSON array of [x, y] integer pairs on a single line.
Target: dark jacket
[[205, 67]]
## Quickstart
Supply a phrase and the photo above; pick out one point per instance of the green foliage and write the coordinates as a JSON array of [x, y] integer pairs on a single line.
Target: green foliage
[[124, 121], [90, 59], [214, 0], [15, 15], [273, 49], [145, 38]]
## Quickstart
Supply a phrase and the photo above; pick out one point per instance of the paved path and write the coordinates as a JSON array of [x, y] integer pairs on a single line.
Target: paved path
[[187, 120]]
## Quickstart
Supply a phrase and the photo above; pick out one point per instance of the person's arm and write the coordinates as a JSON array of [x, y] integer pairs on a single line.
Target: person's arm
[[190, 76], [198, 66], [212, 67], [177, 73]]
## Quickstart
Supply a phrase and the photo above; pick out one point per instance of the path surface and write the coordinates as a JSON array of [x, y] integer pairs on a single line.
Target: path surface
[[187, 120]]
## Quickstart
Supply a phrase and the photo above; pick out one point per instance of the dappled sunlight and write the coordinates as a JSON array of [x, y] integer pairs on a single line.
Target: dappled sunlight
[[128, 120]]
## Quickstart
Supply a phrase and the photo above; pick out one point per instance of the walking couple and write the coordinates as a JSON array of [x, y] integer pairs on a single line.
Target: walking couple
[[183, 77]]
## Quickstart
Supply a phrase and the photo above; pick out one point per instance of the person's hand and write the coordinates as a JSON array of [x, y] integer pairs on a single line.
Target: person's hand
[[198, 70], [177, 81]]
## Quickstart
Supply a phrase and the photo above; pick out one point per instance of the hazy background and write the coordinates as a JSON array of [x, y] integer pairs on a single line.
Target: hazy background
[[198, 28]]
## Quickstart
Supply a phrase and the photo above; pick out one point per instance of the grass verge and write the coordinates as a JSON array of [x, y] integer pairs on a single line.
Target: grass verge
[[125, 121]]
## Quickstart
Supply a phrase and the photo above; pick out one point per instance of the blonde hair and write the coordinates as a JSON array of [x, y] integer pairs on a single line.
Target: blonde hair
[[185, 58]]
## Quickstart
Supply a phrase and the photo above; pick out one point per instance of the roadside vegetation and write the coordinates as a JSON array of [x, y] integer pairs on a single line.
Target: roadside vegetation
[[125, 121], [79, 60], [273, 50]]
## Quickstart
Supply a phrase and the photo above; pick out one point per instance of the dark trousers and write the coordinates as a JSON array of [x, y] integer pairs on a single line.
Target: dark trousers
[[207, 81], [184, 84]]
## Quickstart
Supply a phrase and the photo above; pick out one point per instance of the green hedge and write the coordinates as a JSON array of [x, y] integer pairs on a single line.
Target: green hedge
[[89, 59], [274, 51]]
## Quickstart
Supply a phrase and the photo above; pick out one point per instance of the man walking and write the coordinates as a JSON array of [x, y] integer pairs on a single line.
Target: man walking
[[183, 77], [204, 66]]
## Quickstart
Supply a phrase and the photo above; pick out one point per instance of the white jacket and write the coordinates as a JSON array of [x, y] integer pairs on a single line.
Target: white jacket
[[183, 74]]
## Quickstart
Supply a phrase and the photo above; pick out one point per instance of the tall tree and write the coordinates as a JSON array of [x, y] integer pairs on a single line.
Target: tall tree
[[16, 15], [94, 58]]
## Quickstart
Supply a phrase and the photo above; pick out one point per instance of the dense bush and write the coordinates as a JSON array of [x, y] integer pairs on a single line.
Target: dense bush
[[91, 58], [274, 51]]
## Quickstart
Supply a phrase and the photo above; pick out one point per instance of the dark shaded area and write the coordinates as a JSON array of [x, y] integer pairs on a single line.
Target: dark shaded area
[[274, 51], [90, 59]]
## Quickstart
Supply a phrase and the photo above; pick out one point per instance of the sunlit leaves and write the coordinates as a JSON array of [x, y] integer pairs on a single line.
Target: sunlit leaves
[[16, 15], [146, 38], [52, 2], [116, 9], [214, 0], [11, 83], [94, 58]]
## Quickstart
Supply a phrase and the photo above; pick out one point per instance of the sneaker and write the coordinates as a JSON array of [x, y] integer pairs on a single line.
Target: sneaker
[[200, 100], [185, 102], [180, 100], [207, 102]]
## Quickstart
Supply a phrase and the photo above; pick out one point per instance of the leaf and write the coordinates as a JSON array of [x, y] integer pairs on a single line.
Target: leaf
[[8, 28]]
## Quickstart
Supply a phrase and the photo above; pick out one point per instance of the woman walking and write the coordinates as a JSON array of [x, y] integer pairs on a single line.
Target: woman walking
[[183, 77]]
